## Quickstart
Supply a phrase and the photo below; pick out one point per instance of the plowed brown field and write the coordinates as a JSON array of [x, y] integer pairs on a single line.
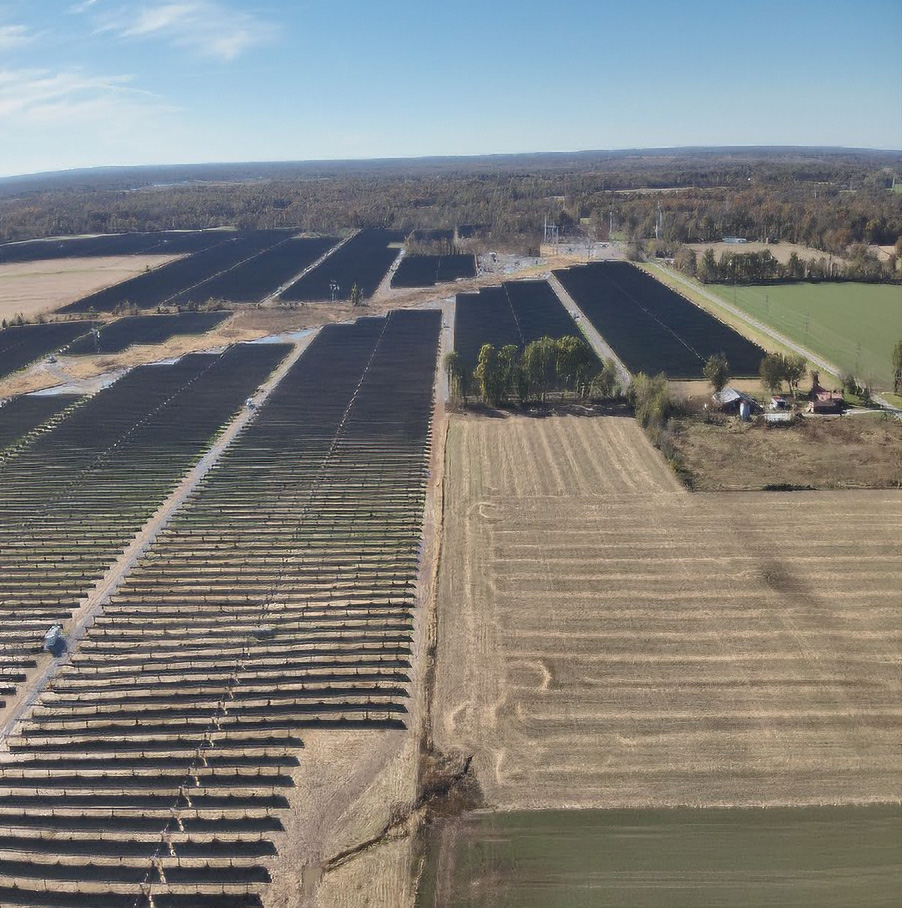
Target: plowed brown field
[[607, 639]]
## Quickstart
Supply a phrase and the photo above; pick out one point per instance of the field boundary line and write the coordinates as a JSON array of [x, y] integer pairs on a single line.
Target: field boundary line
[[591, 333], [330, 251], [751, 322], [81, 622]]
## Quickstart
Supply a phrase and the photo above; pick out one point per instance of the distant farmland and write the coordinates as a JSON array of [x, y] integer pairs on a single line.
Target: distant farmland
[[853, 326], [650, 327]]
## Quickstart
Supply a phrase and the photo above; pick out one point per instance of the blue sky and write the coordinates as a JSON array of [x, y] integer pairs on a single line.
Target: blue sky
[[105, 82]]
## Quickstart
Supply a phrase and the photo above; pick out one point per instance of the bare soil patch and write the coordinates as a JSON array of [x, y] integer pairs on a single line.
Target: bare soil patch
[[78, 369], [861, 451], [33, 288], [608, 639]]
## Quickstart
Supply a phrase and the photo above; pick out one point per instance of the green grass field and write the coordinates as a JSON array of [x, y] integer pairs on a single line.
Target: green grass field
[[854, 326], [822, 857]]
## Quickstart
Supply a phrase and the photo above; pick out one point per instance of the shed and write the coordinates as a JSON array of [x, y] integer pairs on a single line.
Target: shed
[[730, 400]]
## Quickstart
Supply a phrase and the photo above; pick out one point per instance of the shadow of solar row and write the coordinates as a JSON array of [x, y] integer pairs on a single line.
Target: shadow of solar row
[[428, 270], [651, 327], [145, 329], [261, 276], [72, 499], [364, 260], [183, 278], [23, 415], [279, 598], [517, 312], [22, 345], [161, 242]]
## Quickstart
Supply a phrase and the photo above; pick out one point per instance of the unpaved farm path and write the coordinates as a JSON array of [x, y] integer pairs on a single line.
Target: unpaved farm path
[[82, 620]]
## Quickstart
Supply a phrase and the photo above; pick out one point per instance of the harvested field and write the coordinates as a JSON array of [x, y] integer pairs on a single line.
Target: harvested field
[[823, 452], [31, 288], [608, 639], [780, 251]]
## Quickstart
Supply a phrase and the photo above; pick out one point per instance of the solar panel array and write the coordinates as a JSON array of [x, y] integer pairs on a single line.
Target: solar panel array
[[279, 598]]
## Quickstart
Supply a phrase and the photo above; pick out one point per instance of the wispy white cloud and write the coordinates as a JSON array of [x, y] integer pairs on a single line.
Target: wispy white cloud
[[205, 27], [13, 36], [83, 7], [41, 96]]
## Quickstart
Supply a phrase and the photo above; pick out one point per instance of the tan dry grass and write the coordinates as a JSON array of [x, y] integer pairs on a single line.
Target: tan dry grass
[[608, 640], [35, 288], [780, 251], [823, 452]]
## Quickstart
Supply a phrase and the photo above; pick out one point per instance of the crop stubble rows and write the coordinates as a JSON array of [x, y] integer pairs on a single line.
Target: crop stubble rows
[[607, 639]]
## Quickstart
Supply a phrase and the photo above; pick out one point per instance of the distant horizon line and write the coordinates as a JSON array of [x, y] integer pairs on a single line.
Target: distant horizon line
[[612, 152]]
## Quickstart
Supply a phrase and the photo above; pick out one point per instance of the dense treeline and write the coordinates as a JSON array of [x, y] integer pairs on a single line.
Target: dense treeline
[[565, 364], [828, 200], [762, 267]]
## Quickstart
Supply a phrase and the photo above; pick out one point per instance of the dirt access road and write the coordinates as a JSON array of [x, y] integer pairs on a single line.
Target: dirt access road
[[607, 639]]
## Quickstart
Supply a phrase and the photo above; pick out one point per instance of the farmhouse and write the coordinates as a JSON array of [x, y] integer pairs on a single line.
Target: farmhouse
[[823, 401]]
